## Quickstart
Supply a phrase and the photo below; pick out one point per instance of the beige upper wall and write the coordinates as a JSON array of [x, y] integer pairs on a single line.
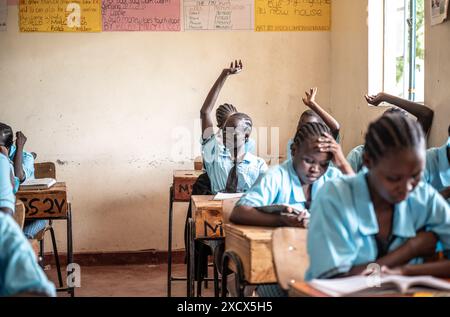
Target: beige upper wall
[[437, 77], [106, 106]]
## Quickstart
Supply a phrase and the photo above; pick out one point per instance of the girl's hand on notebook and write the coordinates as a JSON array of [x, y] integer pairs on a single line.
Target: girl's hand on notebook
[[21, 139], [310, 97], [290, 219], [375, 100], [234, 68], [394, 271]]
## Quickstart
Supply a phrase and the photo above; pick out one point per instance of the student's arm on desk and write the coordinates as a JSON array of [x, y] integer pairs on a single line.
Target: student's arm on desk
[[249, 216], [422, 245]]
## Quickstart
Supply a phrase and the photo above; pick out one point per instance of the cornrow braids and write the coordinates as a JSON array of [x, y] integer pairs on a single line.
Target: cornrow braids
[[223, 112], [246, 120], [6, 135], [390, 132], [310, 131]]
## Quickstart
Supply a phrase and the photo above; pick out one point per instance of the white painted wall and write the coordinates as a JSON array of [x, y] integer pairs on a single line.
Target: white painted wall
[[106, 106]]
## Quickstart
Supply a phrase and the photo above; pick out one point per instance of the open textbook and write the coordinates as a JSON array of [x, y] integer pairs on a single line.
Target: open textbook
[[369, 285], [38, 183], [224, 196]]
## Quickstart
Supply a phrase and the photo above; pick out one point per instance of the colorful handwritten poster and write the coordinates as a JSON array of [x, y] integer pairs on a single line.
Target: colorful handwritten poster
[[141, 15], [218, 15], [3, 14], [60, 15], [292, 15]]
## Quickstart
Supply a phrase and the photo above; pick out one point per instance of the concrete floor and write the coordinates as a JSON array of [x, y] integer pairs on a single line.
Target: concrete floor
[[128, 281]]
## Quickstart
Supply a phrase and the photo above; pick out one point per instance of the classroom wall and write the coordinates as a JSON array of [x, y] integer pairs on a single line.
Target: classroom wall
[[437, 77], [349, 71], [109, 107]]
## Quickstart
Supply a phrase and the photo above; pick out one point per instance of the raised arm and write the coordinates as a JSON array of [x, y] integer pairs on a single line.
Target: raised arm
[[310, 102], [210, 101], [423, 114], [21, 139]]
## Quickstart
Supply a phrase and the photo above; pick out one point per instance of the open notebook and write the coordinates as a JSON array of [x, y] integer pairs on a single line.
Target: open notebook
[[224, 196], [38, 183], [361, 285]]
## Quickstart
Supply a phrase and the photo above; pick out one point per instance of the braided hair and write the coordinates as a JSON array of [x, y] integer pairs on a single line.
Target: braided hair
[[223, 112], [390, 132], [6, 135], [310, 131]]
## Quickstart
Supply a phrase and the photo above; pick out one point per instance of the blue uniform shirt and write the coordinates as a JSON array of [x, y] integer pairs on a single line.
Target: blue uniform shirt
[[437, 170], [19, 270], [27, 162], [281, 185], [7, 198], [355, 158], [343, 224], [218, 163]]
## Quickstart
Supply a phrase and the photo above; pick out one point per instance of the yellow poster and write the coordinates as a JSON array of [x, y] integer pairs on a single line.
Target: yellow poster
[[292, 15], [60, 15]]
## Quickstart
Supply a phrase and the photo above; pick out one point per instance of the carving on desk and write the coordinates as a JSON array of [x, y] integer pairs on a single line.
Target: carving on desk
[[48, 206], [214, 229], [187, 188]]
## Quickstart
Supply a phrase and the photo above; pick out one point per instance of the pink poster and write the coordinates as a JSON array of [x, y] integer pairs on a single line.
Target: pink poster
[[141, 15]]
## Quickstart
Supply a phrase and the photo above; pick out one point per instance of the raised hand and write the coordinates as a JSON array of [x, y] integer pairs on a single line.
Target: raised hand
[[310, 97], [234, 68], [375, 100], [21, 139]]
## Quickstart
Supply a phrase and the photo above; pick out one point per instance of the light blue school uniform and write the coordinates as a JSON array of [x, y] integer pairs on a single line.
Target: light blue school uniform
[[19, 270], [281, 185], [7, 198], [437, 170], [31, 227], [343, 225], [218, 163], [27, 162], [355, 158], [250, 146]]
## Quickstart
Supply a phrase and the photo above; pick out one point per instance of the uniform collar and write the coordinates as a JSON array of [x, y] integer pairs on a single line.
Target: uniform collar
[[368, 225]]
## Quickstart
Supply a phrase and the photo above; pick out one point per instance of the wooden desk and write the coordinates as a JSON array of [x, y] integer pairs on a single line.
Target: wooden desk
[[183, 181], [51, 204], [253, 245], [208, 216], [302, 289], [45, 203]]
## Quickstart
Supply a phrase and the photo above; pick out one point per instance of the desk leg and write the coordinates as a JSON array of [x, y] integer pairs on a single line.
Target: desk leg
[[71, 290], [239, 274], [169, 247], [191, 258]]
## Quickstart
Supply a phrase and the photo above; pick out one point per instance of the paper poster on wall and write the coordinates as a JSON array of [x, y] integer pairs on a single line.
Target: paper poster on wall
[[3, 14], [141, 15], [60, 15], [218, 15], [439, 11], [293, 15]]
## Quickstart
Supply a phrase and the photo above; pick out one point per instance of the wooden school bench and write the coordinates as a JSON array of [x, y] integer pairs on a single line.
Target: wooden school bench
[[50, 204], [180, 191]]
